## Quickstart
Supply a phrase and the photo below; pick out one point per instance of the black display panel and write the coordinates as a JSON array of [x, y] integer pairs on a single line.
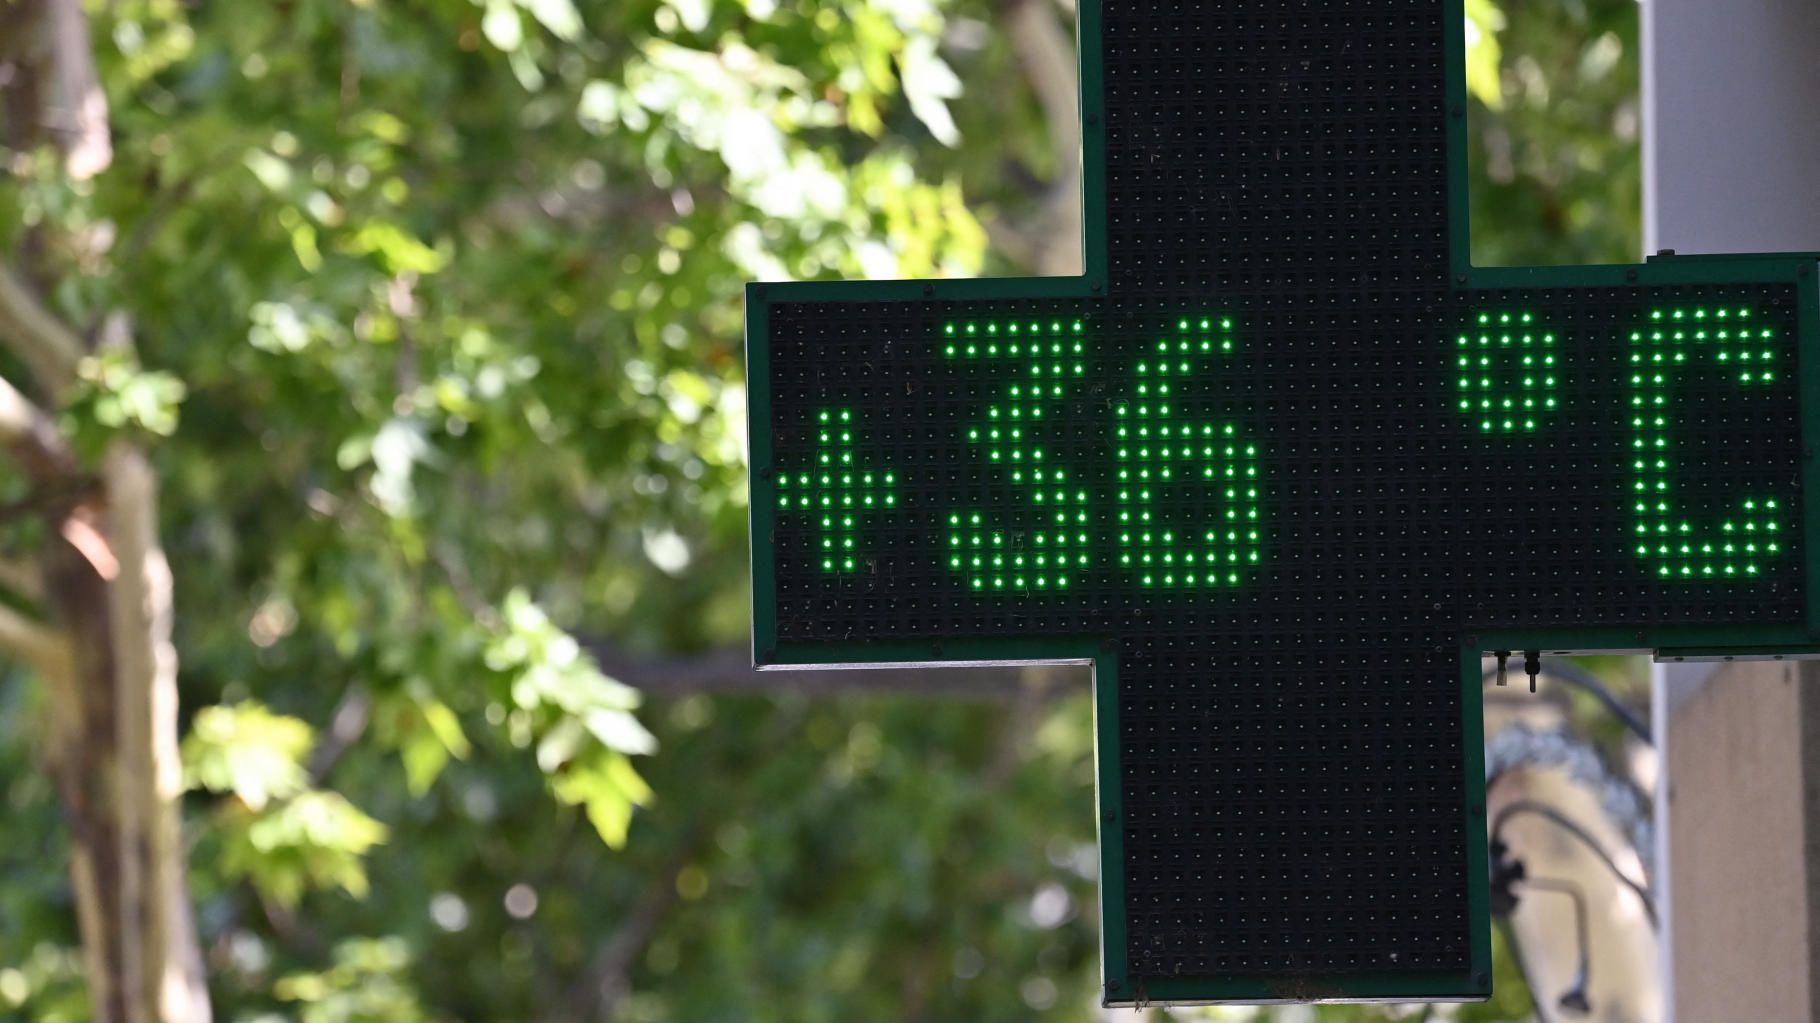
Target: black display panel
[[1282, 464]]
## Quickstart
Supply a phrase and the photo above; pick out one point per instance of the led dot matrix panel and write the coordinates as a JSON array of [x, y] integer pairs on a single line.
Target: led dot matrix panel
[[1282, 465]]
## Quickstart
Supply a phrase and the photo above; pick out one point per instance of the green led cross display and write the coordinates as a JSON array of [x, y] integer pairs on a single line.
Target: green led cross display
[[1507, 372], [837, 492], [1729, 343], [1158, 448], [1283, 465], [1042, 361]]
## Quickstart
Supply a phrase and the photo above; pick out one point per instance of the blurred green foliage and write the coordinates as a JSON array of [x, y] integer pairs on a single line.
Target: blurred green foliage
[[439, 305], [1555, 151]]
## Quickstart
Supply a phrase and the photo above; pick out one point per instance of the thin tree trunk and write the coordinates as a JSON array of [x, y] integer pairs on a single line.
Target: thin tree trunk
[[86, 764], [105, 653]]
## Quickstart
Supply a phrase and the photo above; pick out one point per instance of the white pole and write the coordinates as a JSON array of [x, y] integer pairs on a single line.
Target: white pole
[[1659, 877], [1670, 684], [1731, 163], [1731, 125]]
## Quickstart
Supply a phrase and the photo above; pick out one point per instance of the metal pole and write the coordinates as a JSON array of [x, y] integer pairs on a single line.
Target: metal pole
[[1731, 161], [1731, 152]]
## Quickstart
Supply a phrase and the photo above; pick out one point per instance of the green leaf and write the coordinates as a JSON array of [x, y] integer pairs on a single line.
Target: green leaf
[[559, 17], [608, 789], [1483, 54], [618, 730], [928, 84], [692, 13], [423, 758], [369, 981], [313, 840], [560, 744], [398, 252], [502, 26], [444, 725], [246, 749]]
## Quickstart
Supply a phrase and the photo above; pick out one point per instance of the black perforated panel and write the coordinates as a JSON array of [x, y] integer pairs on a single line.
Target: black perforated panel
[[1291, 742], [1281, 465]]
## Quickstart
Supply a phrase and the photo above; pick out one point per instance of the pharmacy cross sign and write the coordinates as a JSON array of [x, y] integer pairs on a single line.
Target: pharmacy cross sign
[[1281, 464]]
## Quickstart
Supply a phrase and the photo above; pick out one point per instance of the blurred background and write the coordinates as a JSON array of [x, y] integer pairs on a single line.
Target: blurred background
[[407, 334]]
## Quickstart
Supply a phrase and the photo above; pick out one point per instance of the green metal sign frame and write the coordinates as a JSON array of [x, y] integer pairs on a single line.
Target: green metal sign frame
[[1120, 985]]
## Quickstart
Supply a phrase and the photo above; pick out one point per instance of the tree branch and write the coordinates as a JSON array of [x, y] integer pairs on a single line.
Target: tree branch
[[32, 440], [75, 109], [607, 980], [145, 664], [346, 725], [35, 643], [23, 578], [49, 348], [729, 672], [1046, 54]]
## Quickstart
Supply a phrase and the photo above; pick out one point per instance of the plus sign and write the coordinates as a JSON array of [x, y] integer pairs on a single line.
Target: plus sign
[[1282, 465]]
